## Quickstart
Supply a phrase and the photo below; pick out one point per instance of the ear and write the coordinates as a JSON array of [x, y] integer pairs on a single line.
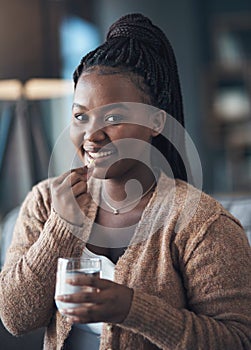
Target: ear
[[158, 121]]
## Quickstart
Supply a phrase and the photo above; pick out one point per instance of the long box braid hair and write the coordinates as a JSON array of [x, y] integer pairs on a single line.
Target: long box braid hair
[[137, 47]]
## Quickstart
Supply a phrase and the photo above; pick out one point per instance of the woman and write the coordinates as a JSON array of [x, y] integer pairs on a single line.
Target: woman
[[179, 278]]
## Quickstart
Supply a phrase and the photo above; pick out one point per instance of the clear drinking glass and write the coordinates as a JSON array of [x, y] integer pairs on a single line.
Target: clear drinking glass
[[70, 267]]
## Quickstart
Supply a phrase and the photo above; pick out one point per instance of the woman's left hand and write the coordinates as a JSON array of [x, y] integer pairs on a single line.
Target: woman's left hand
[[106, 301]]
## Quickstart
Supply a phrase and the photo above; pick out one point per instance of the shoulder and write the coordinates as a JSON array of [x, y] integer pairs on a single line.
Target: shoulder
[[201, 206], [190, 200], [204, 222], [195, 224], [192, 211]]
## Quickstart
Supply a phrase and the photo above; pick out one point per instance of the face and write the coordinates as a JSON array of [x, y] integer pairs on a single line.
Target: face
[[110, 124]]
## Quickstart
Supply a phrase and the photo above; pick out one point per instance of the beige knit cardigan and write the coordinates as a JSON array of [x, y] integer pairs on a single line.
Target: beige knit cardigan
[[189, 265]]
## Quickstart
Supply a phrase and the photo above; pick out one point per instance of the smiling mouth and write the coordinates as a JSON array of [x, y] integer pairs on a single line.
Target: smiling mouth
[[98, 155]]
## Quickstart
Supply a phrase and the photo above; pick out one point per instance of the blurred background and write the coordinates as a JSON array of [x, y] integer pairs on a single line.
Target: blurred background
[[42, 41]]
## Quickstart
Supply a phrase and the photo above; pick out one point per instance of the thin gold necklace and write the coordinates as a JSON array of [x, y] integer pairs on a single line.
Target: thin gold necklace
[[117, 211]]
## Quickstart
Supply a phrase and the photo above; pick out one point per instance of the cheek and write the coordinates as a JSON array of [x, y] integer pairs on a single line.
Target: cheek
[[129, 130], [76, 135], [139, 132]]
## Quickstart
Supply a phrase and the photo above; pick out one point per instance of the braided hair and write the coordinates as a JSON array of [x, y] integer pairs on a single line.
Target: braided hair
[[141, 50]]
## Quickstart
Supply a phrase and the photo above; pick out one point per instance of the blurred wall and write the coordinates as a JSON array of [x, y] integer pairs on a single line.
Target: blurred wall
[[29, 42]]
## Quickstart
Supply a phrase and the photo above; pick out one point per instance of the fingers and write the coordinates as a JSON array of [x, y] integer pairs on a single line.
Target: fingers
[[91, 281], [86, 313], [59, 179], [75, 176], [87, 308], [81, 172], [72, 188], [84, 171], [79, 188], [74, 180], [91, 296], [87, 295], [110, 302]]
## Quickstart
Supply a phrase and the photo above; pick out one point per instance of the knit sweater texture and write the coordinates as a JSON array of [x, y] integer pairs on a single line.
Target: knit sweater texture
[[189, 264]]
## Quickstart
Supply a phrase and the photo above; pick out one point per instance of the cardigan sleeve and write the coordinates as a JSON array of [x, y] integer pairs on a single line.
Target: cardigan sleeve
[[27, 280], [217, 279]]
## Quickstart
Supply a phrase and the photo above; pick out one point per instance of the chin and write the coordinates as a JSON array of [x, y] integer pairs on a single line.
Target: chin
[[104, 173]]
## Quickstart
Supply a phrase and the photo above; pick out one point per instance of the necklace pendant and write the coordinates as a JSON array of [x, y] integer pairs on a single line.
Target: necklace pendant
[[115, 211]]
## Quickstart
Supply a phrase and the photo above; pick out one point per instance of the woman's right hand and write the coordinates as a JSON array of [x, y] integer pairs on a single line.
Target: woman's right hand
[[69, 195]]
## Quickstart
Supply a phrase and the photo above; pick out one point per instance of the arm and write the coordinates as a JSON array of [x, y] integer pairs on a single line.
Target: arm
[[28, 277], [217, 277]]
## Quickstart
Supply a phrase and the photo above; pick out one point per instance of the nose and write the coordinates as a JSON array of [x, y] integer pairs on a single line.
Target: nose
[[94, 132]]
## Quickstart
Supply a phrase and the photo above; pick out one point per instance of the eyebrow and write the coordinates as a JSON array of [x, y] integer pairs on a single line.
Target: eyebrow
[[105, 107], [77, 105]]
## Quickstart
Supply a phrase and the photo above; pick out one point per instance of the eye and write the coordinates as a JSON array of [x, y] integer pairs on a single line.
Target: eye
[[114, 118], [81, 117]]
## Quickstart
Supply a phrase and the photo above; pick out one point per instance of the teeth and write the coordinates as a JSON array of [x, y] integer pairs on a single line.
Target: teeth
[[100, 154]]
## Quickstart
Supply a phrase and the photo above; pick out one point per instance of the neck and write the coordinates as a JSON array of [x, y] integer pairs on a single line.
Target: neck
[[130, 186]]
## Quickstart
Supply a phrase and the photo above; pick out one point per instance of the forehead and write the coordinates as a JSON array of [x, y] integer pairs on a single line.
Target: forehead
[[94, 90]]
